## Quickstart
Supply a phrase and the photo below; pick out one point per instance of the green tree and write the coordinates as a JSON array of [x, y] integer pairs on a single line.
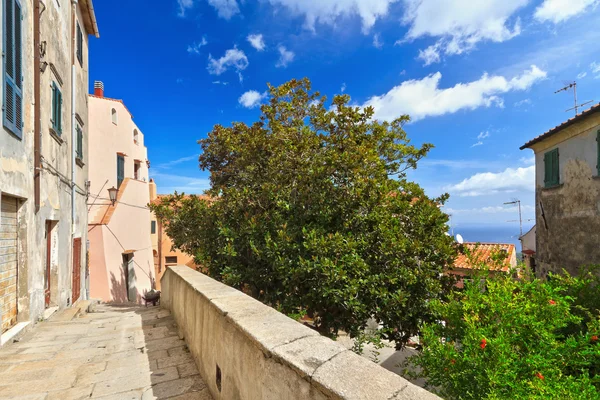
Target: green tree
[[312, 213], [515, 339]]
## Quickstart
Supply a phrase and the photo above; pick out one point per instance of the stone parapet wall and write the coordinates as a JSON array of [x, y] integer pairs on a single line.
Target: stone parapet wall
[[247, 350]]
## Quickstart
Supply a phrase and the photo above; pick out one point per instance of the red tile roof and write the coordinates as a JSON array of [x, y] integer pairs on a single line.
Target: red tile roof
[[482, 253], [562, 126]]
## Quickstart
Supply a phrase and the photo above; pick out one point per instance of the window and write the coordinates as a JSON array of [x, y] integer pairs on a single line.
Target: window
[[114, 116], [551, 168], [135, 136], [120, 169], [136, 169], [13, 84], [153, 227], [56, 109], [79, 45], [171, 260], [79, 149]]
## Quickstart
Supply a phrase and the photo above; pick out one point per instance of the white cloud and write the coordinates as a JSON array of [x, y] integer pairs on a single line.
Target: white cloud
[[285, 57], [329, 11], [479, 143], [460, 24], [486, 183], [524, 102], [377, 41], [251, 98], [343, 88], [220, 83], [256, 41], [581, 75], [483, 135], [225, 8], [183, 6], [595, 68], [430, 55], [169, 164], [423, 98], [196, 46], [560, 10], [528, 160], [233, 58], [455, 164], [169, 183]]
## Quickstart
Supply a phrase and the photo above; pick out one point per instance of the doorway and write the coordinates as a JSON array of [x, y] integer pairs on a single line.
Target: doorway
[[47, 273], [129, 277], [76, 289], [9, 236]]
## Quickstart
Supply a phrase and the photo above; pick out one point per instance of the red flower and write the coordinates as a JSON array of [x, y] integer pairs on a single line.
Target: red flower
[[552, 302], [594, 338], [539, 375], [483, 343], [453, 361]]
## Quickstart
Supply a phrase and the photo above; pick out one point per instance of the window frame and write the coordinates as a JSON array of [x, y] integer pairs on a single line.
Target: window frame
[[171, 262], [79, 142], [152, 227], [552, 172], [122, 176], [15, 82], [114, 115], [79, 45]]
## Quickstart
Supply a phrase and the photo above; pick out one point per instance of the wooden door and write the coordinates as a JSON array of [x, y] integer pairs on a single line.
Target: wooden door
[[8, 262], [76, 290], [48, 263]]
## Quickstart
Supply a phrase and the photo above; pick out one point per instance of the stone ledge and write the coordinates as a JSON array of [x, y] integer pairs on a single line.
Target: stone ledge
[[261, 353]]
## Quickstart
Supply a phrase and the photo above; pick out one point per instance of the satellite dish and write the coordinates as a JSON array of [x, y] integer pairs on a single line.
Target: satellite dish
[[459, 238], [446, 233]]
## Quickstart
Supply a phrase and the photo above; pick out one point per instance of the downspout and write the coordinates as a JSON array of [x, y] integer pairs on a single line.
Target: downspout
[[37, 126]]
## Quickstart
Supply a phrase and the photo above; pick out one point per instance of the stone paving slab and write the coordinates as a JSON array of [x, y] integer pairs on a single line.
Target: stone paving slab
[[124, 353]]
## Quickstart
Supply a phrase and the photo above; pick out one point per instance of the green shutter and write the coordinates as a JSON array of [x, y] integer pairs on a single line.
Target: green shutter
[[79, 45], [79, 143], [13, 85], [56, 109], [551, 168]]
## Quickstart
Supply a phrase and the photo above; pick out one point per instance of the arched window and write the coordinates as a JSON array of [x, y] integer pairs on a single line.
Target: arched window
[[135, 136], [114, 116]]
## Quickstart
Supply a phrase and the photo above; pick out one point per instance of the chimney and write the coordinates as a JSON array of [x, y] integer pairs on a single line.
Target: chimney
[[98, 89]]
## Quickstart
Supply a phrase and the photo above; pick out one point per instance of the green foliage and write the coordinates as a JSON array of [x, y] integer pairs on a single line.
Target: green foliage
[[516, 339], [312, 214]]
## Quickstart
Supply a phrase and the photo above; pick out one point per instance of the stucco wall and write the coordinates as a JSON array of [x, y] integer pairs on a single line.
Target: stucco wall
[[128, 228], [262, 354], [568, 216]]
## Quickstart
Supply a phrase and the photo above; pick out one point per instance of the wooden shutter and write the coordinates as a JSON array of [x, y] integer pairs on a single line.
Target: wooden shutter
[[555, 167], [551, 168], [13, 72], [547, 169], [120, 169], [79, 45], [79, 143]]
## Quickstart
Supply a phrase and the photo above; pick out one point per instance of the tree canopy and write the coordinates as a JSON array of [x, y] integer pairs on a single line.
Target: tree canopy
[[312, 212]]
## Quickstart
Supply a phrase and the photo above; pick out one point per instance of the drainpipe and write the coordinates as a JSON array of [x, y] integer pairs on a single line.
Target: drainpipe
[[37, 126]]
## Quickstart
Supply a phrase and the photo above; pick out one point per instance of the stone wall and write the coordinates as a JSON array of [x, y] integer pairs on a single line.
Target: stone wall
[[247, 350]]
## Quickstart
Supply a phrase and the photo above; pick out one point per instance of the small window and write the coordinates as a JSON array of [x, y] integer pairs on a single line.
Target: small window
[[79, 45], [56, 109], [79, 149], [171, 260], [135, 136], [120, 170], [551, 168], [136, 169], [114, 116], [153, 227]]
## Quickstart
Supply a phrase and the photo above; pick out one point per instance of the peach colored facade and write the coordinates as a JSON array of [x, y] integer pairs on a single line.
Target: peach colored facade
[[162, 247], [121, 260]]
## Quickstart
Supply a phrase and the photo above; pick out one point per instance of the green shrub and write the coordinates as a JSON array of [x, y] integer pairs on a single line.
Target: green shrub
[[515, 339]]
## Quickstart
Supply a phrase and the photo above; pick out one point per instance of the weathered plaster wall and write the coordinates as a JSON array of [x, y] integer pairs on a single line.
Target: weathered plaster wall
[[260, 353], [568, 216]]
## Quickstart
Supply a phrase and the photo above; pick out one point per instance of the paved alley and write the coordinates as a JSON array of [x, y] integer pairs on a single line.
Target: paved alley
[[123, 353]]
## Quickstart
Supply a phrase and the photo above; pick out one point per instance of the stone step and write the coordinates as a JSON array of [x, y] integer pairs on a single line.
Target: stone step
[[79, 308]]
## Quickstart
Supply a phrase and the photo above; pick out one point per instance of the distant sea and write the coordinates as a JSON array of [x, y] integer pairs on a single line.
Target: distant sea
[[485, 233]]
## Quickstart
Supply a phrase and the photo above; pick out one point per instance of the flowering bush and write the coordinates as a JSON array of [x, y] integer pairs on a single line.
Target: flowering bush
[[516, 339]]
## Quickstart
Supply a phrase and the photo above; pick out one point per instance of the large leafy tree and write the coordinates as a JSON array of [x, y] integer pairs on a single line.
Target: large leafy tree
[[312, 213]]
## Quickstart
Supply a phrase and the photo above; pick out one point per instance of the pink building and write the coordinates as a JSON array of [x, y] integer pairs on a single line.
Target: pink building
[[121, 260]]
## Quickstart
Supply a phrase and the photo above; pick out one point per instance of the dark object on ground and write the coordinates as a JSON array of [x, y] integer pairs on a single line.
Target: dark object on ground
[[153, 297]]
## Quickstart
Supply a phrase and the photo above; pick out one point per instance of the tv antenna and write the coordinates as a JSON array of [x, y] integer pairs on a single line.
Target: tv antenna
[[573, 85], [520, 220]]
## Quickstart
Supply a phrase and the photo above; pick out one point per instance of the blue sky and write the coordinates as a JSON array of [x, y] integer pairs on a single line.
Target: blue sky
[[478, 78]]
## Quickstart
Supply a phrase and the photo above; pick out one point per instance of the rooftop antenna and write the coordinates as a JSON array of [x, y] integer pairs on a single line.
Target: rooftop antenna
[[517, 202], [568, 86]]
